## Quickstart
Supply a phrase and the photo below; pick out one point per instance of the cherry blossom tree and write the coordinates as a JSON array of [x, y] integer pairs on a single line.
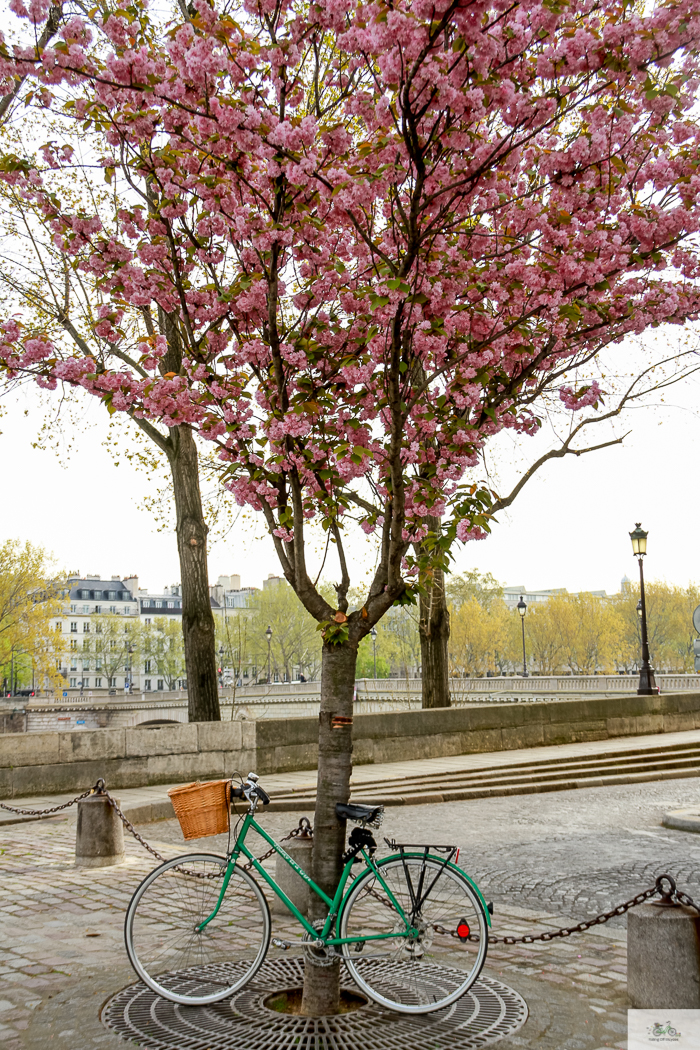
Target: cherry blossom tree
[[381, 231]]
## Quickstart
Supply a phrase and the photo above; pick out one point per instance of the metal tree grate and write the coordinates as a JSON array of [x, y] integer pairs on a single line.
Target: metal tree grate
[[489, 1011]]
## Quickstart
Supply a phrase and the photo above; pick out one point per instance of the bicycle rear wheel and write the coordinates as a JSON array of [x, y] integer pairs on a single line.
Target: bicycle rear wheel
[[167, 950], [441, 960]]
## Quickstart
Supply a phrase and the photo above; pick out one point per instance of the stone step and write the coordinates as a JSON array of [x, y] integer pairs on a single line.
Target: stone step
[[517, 778]]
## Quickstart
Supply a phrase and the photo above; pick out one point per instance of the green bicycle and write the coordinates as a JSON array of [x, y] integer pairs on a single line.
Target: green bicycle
[[412, 928]]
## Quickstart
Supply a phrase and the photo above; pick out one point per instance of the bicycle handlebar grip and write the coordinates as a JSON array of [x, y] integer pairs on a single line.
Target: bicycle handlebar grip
[[262, 795]]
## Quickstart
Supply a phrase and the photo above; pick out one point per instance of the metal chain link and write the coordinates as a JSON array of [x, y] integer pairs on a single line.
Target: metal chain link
[[670, 896], [47, 812], [303, 828]]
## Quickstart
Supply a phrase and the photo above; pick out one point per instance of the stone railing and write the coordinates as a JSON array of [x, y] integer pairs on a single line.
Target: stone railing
[[301, 699], [39, 763]]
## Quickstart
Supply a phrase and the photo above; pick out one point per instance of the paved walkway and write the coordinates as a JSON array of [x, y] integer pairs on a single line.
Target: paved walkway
[[545, 861], [381, 772]]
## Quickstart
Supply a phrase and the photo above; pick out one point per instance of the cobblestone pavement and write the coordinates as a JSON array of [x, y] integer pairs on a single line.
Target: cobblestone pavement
[[543, 860]]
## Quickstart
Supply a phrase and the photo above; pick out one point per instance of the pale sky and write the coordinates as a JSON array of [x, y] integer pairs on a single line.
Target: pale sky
[[569, 528]]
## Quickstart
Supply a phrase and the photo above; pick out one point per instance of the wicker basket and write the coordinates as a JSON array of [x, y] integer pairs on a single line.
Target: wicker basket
[[202, 808]]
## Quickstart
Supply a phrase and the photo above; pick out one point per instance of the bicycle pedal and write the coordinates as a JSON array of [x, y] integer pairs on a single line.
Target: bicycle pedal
[[283, 945]]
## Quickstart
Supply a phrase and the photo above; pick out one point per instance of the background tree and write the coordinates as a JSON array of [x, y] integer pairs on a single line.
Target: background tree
[[296, 643], [65, 303], [162, 650], [30, 599], [407, 223], [436, 594]]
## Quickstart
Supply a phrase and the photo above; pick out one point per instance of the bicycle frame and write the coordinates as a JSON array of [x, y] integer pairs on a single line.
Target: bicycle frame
[[334, 905]]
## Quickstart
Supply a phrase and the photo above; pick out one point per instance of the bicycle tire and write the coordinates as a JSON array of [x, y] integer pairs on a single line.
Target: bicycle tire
[[437, 968], [166, 951]]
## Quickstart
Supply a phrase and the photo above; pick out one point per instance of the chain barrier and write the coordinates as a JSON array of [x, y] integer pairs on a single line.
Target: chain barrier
[[47, 812], [668, 897]]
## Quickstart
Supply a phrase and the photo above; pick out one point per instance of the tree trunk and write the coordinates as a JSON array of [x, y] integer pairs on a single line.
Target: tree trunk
[[434, 631], [322, 984], [197, 618]]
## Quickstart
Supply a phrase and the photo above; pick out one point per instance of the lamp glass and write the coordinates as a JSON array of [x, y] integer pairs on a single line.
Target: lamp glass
[[639, 540], [639, 608], [522, 606]]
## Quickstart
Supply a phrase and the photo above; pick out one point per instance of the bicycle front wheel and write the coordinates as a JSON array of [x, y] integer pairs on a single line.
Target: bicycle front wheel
[[445, 951], [168, 950]]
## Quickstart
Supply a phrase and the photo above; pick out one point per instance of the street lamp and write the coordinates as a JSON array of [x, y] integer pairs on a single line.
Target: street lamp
[[522, 609], [373, 632], [647, 682], [127, 680], [268, 635]]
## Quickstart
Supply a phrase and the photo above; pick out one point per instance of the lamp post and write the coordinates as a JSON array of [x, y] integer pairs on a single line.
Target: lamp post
[[268, 635], [373, 632], [647, 682], [127, 680], [522, 609]]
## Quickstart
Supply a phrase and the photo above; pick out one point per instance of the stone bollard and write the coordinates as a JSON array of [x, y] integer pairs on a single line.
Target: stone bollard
[[300, 849], [663, 956], [99, 839]]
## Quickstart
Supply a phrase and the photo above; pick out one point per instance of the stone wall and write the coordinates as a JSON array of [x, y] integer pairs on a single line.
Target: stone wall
[[38, 763]]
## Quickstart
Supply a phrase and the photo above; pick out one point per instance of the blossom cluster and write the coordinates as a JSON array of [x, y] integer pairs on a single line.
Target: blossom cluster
[[375, 230]]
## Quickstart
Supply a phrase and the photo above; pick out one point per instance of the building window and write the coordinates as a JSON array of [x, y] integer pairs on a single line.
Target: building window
[[112, 683], [160, 683], [74, 643], [98, 609], [58, 627], [112, 595], [84, 683], [86, 627], [98, 663], [171, 605], [74, 608], [147, 667], [112, 608], [147, 685], [147, 621], [98, 628], [73, 664], [74, 627], [85, 594], [86, 609], [86, 665], [98, 683], [73, 681], [159, 605], [86, 645]]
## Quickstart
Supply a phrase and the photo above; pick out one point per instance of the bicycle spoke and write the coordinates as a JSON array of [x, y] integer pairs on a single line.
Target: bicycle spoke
[[431, 965], [169, 951]]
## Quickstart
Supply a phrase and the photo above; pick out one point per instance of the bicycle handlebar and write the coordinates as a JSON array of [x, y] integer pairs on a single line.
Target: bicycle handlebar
[[247, 790]]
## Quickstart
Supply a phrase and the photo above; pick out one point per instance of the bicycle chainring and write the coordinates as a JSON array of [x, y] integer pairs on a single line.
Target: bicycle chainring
[[318, 956]]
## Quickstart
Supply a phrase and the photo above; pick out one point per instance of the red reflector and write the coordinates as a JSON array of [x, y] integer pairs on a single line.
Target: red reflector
[[463, 930]]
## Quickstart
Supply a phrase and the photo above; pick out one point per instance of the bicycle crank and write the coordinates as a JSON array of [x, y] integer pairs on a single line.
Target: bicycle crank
[[315, 951]]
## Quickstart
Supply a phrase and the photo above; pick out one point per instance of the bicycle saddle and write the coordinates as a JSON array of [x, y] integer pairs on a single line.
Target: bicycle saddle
[[360, 814]]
